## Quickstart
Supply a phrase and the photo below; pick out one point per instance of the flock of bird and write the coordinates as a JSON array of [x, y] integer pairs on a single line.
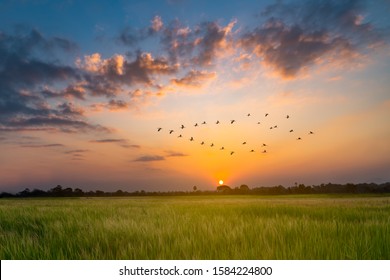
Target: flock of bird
[[217, 122]]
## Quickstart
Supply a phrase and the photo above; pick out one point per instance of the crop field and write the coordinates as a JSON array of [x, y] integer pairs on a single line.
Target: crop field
[[196, 227]]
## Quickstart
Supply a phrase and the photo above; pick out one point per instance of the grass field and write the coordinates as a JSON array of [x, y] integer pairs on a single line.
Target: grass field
[[196, 227]]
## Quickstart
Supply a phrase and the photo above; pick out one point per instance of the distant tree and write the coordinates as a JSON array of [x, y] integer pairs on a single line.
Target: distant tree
[[194, 188], [244, 188], [224, 188]]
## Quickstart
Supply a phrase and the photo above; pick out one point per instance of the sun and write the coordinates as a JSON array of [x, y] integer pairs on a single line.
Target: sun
[[220, 182]]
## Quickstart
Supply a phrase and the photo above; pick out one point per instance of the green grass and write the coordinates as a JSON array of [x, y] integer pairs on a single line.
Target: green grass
[[204, 227]]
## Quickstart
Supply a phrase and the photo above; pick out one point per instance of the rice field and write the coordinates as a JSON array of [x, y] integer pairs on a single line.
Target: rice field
[[196, 227]]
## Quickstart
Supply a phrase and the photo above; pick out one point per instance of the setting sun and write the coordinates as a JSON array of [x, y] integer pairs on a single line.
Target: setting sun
[[220, 182]]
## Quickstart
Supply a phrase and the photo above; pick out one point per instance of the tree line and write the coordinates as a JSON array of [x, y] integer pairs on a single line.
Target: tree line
[[60, 191]]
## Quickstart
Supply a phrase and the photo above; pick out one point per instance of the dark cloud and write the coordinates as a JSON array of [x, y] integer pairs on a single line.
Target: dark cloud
[[300, 34], [150, 158], [77, 151]]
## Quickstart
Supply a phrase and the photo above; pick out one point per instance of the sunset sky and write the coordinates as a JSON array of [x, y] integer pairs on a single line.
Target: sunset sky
[[85, 85]]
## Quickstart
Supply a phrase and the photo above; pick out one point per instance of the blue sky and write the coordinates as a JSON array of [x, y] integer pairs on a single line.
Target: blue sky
[[84, 86]]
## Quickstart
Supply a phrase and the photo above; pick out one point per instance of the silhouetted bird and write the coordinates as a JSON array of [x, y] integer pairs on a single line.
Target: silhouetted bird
[[311, 132], [158, 129], [264, 145], [232, 121], [202, 143], [243, 143], [192, 139], [299, 138], [179, 136], [258, 122], [292, 130], [275, 126], [231, 153], [170, 132], [264, 151], [212, 145], [271, 127], [196, 124], [287, 116], [252, 151], [223, 148], [217, 122], [203, 122], [182, 126], [266, 114], [249, 115]]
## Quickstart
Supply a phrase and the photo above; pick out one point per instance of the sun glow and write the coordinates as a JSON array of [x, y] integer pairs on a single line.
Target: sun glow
[[220, 182]]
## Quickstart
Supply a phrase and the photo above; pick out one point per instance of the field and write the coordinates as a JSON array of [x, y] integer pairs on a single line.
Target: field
[[196, 227]]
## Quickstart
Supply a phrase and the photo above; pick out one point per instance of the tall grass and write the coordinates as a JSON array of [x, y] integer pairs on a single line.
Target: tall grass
[[205, 227]]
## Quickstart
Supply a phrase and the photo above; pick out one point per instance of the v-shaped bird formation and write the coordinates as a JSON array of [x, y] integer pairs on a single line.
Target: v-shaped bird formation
[[262, 147]]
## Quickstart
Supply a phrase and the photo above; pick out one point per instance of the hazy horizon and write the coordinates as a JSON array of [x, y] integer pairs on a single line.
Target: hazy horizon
[[85, 86]]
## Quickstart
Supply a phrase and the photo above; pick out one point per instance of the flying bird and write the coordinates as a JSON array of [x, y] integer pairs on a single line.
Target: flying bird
[[252, 151], [266, 114], [271, 127], [217, 122], [179, 136], [292, 130], [158, 129], [231, 153], [258, 122], [287, 117], [170, 132], [264, 151], [182, 126], [223, 148], [192, 139], [275, 126], [196, 124], [232, 121], [249, 115], [212, 145], [311, 132], [243, 143], [299, 138], [202, 143], [264, 145], [204, 122]]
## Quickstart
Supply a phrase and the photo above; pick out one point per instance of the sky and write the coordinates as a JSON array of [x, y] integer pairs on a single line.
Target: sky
[[86, 85]]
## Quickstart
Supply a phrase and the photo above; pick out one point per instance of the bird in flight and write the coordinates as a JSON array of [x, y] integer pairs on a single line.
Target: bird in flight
[[212, 145], [232, 121], [223, 148], [252, 151], [180, 136], [292, 130], [204, 122], [287, 117], [258, 122], [311, 132], [266, 114], [249, 115], [275, 126], [192, 139], [217, 122], [202, 143], [264, 145], [299, 138], [271, 127], [196, 124], [158, 129], [170, 132], [243, 143], [231, 153], [182, 126], [264, 151]]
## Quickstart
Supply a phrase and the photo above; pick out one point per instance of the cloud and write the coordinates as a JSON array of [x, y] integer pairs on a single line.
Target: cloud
[[43, 145], [77, 151], [194, 78], [121, 142], [299, 35], [157, 24], [175, 154], [149, 158]]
